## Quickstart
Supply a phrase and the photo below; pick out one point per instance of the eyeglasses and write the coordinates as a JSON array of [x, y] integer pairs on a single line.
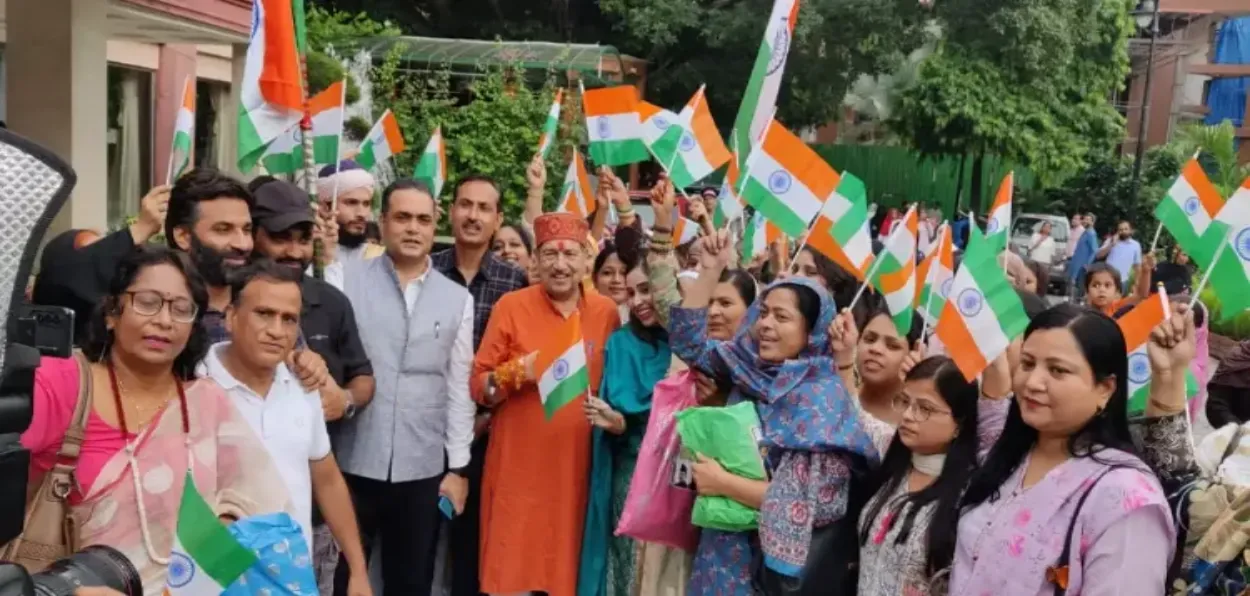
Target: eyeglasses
[[149, 303], [923, 411]]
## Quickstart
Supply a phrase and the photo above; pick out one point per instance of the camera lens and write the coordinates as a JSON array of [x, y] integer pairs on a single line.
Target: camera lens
[[94, 566]]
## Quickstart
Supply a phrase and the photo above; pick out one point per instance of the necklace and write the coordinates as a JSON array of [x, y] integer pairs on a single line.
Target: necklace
[[134, 463]]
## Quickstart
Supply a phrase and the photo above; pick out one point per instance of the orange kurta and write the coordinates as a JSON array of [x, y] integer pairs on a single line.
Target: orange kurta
[[535, 485]]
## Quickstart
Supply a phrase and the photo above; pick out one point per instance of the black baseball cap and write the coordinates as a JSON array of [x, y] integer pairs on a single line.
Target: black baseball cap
[[280, 206]]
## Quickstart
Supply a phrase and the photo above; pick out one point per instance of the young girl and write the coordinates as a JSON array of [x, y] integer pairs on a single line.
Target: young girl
[[907, 531], [1103, 283]]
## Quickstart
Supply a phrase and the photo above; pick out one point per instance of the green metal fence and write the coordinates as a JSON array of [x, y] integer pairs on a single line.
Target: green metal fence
[[895, 175]]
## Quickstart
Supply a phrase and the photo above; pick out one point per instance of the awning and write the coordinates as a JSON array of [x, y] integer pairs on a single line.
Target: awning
[[594, 61]]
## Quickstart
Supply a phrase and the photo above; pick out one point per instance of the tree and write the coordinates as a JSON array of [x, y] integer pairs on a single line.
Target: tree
[[690, 42], [1027, 80]]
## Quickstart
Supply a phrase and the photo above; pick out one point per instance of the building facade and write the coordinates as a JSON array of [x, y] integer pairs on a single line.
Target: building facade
[[100, 81]]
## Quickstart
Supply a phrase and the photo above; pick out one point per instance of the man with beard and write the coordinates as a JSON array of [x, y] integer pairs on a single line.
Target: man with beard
[[210, 219], [417, 328], [535, 487], [475, 217], [284, 226], [354, 186], [1122, 252]]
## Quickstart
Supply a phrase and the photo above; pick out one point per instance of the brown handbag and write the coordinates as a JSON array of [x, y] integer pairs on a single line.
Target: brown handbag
[[50, 533]]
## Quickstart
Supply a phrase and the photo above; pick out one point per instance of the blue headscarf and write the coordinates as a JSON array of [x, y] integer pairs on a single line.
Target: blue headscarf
[[804, 410]]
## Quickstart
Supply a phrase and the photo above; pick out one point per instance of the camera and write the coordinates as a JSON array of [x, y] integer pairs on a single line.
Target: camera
[[95, 566], [34, 185]]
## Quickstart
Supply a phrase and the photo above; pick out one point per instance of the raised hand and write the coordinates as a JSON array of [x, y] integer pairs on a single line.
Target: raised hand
[[663, 203], [603, 195], [152, 210], [843, 337], [913, 357], [536, 173], [717, 250], [1172, 343], [698, 212]]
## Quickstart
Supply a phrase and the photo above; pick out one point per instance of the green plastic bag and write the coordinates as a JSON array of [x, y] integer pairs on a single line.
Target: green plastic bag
[[729, 435]]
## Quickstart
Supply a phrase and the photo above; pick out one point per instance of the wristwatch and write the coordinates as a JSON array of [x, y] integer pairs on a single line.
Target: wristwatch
[[458, 471], [350, 410]]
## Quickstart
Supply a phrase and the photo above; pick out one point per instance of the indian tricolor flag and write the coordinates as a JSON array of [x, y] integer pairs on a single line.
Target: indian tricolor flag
[[760, 98], [935, 274], [685, 231], [1136, 326], [548, 139], [661, 131], [271, 97], [983, 314], [563, 375], [787, 181], [754, 238], [1229, 233], [205, 559], [432, 167], [840, 231], [384, 141], [613, 126], [728, 205], [896, 271], [184, 133], [998, 228], [286, 154], [699, 150], [1187, 210], [576, 196]]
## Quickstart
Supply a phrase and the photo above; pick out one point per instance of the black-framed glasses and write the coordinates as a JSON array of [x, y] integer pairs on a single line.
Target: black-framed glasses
[[149, 303], [922, 410]]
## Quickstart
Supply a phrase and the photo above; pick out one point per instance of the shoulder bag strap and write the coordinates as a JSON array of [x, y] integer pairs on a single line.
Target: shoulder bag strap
[[71, 445], [1058, 573], [1232, 444]]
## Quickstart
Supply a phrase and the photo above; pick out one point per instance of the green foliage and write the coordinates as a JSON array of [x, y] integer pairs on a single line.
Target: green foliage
[[1237, 328], [325, 70], [330, 28], [1219, 153], [1024, 79], [491, 125], [356, 128], [1104, 189], [690, 42]]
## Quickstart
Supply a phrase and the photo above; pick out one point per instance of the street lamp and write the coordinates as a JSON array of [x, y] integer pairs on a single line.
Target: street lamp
[[1147, 18]]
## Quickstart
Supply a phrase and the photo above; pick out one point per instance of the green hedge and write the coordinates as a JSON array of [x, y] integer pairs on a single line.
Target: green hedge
[[895, 175]]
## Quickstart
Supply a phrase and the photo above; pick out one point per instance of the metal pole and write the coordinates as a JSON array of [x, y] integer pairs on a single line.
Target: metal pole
[[1144, 117]]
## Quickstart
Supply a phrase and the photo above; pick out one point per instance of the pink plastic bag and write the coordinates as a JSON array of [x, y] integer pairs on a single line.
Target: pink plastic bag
[[656, 509]]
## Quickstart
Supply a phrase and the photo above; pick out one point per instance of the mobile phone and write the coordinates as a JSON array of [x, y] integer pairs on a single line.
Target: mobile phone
[[444, 505], [49, 329]]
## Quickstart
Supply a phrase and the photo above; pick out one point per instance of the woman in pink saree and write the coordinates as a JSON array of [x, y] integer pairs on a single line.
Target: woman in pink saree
[[150, 421]]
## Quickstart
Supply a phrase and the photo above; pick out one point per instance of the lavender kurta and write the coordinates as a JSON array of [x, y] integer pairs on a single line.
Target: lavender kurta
[[1122, 541]]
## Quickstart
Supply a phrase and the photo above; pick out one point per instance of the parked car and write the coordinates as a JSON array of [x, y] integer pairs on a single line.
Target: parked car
[[1022, 231]]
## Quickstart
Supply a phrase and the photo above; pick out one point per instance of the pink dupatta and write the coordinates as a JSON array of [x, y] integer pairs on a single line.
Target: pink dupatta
[[231, 468]]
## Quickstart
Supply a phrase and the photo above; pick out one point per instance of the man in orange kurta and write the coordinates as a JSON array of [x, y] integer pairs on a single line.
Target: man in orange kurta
[[535, 485]]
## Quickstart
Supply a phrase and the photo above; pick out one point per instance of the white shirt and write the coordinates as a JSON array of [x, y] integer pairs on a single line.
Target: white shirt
[[1074, 236], [1043, 252], [461, 410], [288, 421]]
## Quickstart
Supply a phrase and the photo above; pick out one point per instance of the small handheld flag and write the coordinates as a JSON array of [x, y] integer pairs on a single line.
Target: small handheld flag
[[576, 196], [613, 126], [561, 366], [184, 133], [205, 557], [432, 167], [551, 126], [385, 140], [285, 154], [982, 315]]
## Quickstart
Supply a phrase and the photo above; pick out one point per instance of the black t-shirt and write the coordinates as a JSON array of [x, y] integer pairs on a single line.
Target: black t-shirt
[[329, 329], [1176, 279]]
